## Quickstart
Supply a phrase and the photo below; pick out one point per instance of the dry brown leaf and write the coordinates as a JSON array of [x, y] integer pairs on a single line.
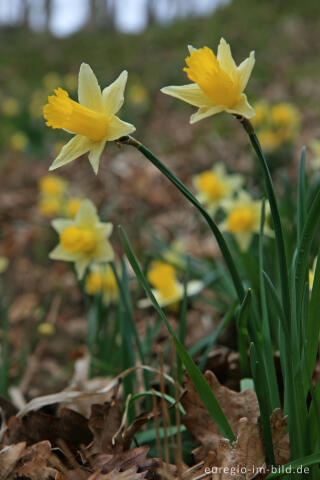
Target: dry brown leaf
[[9, 457], [235, 405], [280, 438], [34, 463]]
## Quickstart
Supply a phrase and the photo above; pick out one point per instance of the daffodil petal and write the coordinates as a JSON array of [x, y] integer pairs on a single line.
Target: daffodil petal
[[89, 92], [113, 95], [105, 253], [60, 224], [76, 147], [81, 266], [191, 94], [95, 154], [242, 108], [58, 253], [87, 214], [106, 229], [205, 112], [225, 58], [244, 71], [118, 128], [243, 239]]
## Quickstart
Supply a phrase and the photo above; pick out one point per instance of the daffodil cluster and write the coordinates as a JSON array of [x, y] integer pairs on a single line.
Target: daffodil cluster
[[276, 125], [55, 199], [101, 280], [83, 240]]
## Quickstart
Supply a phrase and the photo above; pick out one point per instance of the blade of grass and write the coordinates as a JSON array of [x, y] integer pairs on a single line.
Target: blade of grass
[[200, 383], [243, 336], [301, 462], [302, 200]]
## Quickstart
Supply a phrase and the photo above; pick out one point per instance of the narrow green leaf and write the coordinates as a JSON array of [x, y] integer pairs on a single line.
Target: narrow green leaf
[[200, 383], [243, 336], [302, 201], [295, 465]]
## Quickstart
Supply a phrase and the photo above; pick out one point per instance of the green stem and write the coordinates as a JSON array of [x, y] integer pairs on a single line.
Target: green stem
[[184, 190]]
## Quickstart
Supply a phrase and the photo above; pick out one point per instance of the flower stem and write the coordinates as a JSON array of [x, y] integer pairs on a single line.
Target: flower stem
[[184, 190]]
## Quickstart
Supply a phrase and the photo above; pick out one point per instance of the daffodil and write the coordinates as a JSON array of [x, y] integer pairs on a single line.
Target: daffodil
[[243, 219], [93, 120], [83, 240], [270, 140], [18, 141], [167, 289], [218, 83], [10, 107], [49, 206], [101, 279], [214, 185], [315, 148], [52, 185], [72, 206], [285, 115], [262, 113]]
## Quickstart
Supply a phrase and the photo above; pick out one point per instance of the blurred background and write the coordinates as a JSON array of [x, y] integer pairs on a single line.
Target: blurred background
[[42, 44]]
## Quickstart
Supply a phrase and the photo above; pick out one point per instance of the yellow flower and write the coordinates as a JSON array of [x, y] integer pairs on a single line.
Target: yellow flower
[[18, 141], [92, 120], [218, 83], [101, 279], [138, 94], [10, 107], [46, 329], [269, 139], [243, 219], [315, 148], [262, 113], [167, 289], [72, 206], [4, 262], [52, 185], [285, 115], [83, 240], [49, 206], [214, 185]]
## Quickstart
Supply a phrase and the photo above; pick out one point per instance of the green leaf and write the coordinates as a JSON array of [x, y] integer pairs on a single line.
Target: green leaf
[[302, 200], [243, 336], [200, 383], [302, 463]]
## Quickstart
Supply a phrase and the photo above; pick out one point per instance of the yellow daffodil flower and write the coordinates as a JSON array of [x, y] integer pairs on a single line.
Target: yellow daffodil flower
[[137, 94], [92, 120], [167, 289], [4, 262], [49, 206], [243, 219], [315, 148], [83, 240], [101, 279], [262, 113], [218, 83], [285, 115], [52, 185], [214, 185], [10, 107], [270, 140], [18, 141], [72, 206]]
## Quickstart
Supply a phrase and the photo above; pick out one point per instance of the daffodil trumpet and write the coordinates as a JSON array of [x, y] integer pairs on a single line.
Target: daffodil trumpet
[[128, 140]]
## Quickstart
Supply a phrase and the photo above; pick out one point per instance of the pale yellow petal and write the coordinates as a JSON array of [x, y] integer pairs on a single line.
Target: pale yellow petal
[[76, 147], [244, 71], [89, 92], [113, 95], [191, 94], [105, 253], [81, 266], [192, 49], [117, 129], [243, 239], [242, 108], [95, 154], [106, 229], [225, 58], [87, 214], [60, 224], [205, 112], [58, 253]]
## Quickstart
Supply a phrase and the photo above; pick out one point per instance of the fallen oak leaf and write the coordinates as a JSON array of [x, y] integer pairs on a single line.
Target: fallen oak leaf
[[9, 457], [34, 463], [198, 421], [280, 439]]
